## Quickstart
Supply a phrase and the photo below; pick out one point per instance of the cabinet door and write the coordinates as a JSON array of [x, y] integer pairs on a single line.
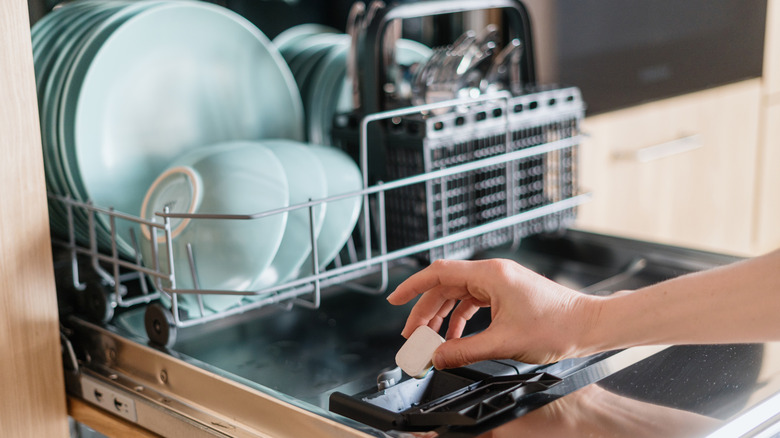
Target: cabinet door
[[767, 236], [679, 171], [768, 223], [32, 403], [772, 49]]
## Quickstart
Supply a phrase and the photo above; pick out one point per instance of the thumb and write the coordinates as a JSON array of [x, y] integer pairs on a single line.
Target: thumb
[[463, 351]]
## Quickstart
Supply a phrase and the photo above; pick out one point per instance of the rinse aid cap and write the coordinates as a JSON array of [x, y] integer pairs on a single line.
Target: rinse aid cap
[[415, 357]]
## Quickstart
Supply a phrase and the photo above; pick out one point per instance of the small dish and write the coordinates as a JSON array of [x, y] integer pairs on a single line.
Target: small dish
[[307, 181], [229, 254], [342, 176]]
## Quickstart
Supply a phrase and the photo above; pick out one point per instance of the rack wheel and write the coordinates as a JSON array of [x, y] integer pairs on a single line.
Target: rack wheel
[[97, 305], [160, 325]]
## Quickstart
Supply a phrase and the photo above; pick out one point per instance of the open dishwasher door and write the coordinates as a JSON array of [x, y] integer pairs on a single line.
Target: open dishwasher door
[[277, 372]]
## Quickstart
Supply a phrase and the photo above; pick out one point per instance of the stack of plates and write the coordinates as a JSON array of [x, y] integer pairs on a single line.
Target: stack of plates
[[317, 56], [251, 255], [126, 86]]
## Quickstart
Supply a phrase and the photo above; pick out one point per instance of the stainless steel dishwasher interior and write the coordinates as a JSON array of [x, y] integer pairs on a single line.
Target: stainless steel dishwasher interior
[[342, 346]]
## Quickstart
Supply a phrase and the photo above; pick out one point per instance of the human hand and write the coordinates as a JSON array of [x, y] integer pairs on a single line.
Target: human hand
[[534, 319]]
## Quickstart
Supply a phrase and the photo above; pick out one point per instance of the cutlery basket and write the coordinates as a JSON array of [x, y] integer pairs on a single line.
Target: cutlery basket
[[541, 125], [541, 128]]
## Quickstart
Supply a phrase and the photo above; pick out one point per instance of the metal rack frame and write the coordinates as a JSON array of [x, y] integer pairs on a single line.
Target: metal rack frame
[[306, 291]]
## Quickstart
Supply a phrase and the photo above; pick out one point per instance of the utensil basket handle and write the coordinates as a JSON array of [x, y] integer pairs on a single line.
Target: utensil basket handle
[[371, 40]]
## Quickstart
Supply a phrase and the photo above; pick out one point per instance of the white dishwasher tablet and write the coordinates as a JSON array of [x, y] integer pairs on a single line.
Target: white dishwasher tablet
[[415, 356]]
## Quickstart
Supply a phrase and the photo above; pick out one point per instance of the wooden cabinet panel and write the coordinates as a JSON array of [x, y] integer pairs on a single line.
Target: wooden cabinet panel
[[767, 232], [33, 391], [771, 74], [768, 211], [680, 171]]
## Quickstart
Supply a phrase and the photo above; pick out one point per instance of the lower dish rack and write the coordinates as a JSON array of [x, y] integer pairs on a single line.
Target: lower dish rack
[[462, 176]]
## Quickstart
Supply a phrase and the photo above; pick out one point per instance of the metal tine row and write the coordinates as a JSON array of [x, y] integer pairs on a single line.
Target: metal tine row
[[342, 273], [115, 279], [290, 292]]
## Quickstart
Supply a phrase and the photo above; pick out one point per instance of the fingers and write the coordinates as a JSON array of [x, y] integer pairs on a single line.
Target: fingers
[[453, 273], [436, 322], [464, 351], [460, 316], [431, 309]]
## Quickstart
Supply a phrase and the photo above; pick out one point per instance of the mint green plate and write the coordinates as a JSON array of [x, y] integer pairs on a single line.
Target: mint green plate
[[287, 40], [342, 176], [47, 34], [328, 90], [168, 79], [77, 21], [307, 180], [229, 178]]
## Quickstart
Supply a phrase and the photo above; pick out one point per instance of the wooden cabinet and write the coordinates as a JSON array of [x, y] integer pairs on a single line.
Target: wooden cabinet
[[723, 195], [767, 235], [33, 392], [771, 74], [680, 171], [768, 208]]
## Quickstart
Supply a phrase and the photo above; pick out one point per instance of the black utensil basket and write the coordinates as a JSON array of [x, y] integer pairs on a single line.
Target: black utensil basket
[[539, 127]]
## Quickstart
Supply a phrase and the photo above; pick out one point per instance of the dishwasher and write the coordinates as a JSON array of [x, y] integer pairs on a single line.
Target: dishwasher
[[478, 164]]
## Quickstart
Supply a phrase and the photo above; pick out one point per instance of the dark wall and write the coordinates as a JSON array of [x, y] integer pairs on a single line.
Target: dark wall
[[271, 16], [274, 16]]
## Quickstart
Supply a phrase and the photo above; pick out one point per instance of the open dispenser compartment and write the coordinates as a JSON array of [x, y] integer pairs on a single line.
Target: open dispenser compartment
[[457, 397]]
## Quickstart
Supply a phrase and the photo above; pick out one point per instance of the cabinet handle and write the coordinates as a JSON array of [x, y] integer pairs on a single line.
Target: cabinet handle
[[661, 150]]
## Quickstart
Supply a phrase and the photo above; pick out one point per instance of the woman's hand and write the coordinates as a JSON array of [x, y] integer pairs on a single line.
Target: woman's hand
[[534, 320]]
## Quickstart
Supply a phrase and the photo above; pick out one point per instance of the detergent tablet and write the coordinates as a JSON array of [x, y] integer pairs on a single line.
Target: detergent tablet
[[415, 356]]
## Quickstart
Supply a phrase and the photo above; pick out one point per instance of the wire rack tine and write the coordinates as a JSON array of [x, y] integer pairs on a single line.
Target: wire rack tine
[[512, 146]]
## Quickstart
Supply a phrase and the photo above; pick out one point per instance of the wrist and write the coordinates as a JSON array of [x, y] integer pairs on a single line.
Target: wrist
[[598, 328], [625, 319]]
